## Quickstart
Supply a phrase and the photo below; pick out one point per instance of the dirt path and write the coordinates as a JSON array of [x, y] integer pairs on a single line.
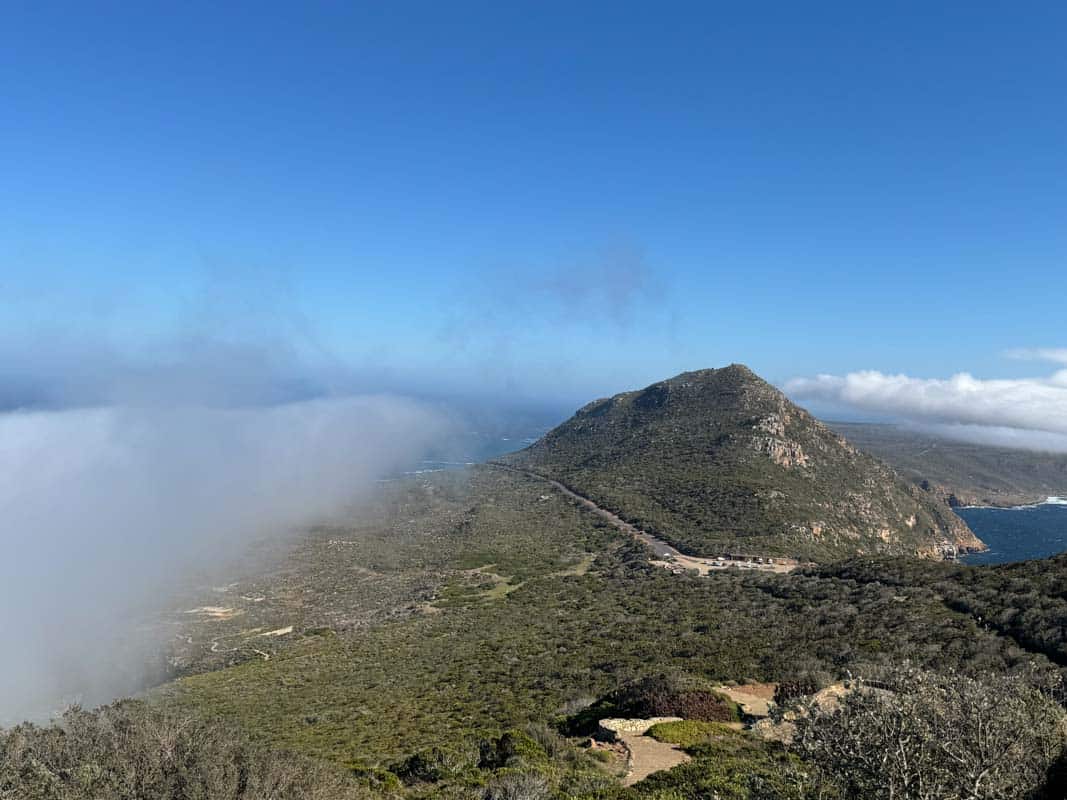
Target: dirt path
[[666, 556], [648, 756]]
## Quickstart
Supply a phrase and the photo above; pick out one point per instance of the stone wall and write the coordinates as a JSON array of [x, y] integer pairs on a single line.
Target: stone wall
[[611, 728]]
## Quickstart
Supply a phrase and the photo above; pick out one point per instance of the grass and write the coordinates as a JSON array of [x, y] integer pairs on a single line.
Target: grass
[[688, 732], [479, 585]]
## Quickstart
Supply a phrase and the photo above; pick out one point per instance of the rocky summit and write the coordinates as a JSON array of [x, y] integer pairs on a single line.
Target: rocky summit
[[719, 460]]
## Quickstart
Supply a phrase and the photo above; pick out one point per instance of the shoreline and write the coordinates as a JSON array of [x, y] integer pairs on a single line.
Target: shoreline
[[1052, 500]]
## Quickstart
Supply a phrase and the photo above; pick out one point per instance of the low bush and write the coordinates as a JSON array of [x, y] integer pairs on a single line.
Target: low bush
[[655, 696], [513, 749], [669, 696], [919, 734], [688, 732], [435, 764], [517, 786], [133, 751]]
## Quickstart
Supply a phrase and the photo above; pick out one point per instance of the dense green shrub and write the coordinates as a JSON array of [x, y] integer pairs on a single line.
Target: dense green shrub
[[512, 749], [1025, 601], [436, 764], [133, 751], [518, 763]]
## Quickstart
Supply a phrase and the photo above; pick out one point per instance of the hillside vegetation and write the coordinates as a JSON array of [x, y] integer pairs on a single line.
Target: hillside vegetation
[[446, 643], [131, 751], [720, 460], [470, 660], [963, 473]]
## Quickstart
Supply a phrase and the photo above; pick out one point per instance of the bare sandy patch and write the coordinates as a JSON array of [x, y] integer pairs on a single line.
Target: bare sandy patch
[[216, 612], [279, 632], [755, 699]]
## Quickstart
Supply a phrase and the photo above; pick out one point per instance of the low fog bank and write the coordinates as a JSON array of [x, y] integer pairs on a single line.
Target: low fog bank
[[106, 511], [993, 436]]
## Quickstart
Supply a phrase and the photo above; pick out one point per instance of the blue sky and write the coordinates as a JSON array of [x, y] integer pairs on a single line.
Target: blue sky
[[548, 200], [208, 210]]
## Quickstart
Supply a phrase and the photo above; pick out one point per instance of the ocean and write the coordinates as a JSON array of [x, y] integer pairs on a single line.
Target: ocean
[[468, 449], [1017, 534]]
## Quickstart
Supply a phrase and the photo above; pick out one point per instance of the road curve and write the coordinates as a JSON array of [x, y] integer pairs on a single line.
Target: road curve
[[666, 555]]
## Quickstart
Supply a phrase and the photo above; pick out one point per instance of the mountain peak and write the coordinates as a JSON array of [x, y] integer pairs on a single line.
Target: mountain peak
[[718, 459], [735, 370], [732, 373]]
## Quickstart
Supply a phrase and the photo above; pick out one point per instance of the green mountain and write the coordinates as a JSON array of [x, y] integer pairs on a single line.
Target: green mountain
[[720, 460]]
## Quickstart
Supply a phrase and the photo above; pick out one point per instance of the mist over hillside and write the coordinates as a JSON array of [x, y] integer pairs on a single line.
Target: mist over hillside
[[109, 510]]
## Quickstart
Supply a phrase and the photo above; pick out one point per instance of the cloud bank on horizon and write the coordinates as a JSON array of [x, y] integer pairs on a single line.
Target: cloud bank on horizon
[[1021, 412]]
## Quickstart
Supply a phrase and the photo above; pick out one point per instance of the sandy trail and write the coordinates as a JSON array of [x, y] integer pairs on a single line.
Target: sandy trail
[[648, 755]]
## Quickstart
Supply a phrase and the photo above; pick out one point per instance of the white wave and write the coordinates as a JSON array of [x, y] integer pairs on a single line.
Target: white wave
[[1049, 501]]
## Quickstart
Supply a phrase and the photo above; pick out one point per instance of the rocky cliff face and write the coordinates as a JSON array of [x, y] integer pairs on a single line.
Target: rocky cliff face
[[721, 460]]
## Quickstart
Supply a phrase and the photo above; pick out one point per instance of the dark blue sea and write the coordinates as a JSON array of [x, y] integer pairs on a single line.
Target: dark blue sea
[[1016, 534]]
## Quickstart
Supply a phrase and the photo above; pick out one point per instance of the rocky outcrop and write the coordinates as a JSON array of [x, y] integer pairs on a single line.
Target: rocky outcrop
[[781, 452], [610, 729]]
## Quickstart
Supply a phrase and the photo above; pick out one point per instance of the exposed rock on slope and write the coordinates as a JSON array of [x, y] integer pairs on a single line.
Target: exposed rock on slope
[[720, 460]]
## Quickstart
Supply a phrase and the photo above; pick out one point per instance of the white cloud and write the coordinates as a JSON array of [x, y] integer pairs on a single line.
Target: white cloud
[[1057, 355], [1030, 411], [1013, 438]]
